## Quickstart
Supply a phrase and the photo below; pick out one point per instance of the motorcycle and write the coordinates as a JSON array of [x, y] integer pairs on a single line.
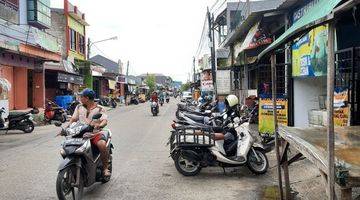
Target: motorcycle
[[54, 112], [161, 101], [134, 100], [22, 121], [194, 147], [82, 166], [71, 107], [167, 99], [107, 101], [154, 108]]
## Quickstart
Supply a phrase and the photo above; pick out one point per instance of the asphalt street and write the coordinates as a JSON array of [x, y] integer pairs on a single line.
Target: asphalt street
[[142, 168]]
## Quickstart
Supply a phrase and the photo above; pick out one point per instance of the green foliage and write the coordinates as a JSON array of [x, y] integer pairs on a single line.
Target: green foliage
[[150, 81], [185, 87]]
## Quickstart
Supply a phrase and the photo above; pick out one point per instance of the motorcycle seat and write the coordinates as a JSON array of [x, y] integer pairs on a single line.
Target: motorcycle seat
[[196, 118], [15, 114]]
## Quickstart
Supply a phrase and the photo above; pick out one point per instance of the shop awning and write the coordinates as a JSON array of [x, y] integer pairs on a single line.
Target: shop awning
[[112, 84], [5, 84], [314, 16], [70, 78]]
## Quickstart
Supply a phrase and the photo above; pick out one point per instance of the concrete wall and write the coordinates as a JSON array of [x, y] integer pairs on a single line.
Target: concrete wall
[[306, 92], [57, 29]]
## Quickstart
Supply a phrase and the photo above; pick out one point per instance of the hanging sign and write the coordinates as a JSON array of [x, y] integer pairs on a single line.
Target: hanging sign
[[206, 81], [223, 82], [266, 117]]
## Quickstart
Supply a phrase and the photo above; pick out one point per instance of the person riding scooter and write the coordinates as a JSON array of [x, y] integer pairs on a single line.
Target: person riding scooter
[[84, 113]]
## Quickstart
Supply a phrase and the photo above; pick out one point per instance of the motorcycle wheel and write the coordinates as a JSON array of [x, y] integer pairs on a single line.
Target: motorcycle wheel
[[255, 166], [113, 104], [64, 188], [186, 167], [28, 126]]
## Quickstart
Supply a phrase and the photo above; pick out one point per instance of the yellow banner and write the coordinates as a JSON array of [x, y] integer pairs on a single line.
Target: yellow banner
[[341, 109], [266, 117]]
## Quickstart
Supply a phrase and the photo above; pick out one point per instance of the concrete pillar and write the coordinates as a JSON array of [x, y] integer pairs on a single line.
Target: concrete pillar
[[20, 88], [39, 90]]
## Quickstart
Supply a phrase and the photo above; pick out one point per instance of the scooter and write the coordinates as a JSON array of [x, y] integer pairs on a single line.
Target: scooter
[[53, 112], [154, 108], [195, 147], [167, 99], [22, 121], [71, 107], [82, 166]]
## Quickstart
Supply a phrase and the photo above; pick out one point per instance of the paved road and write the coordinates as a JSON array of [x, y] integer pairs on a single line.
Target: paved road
[[142, 167]]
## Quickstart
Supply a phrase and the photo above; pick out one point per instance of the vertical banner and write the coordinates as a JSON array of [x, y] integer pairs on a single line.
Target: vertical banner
[[266, 117], [206, 81], [223, 82], [341, 107]]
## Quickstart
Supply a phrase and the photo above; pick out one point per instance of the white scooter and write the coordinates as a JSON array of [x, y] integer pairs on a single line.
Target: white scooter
[[193, 148]]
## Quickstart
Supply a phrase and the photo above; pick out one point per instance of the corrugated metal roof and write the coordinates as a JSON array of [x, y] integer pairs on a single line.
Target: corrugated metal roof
[[109, 65]]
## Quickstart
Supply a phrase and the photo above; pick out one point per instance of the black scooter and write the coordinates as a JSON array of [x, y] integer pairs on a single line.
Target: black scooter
[[18, 121]]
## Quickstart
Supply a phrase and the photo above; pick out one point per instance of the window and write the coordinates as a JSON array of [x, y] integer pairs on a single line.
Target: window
[[39, 13], [81, 44], [72, 40]]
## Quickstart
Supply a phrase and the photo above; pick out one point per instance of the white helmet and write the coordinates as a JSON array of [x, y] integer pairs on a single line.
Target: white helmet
[[231, 100]]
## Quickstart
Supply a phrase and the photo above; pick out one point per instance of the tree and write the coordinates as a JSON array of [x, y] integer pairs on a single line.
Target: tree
[[185, 87], [150, 81]]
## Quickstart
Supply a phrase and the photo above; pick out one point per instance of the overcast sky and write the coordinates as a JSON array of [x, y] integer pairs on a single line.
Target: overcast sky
[[156, 36]]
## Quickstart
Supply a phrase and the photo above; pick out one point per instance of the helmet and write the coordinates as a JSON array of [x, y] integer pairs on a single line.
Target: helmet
[[89, 93], [231, 100]]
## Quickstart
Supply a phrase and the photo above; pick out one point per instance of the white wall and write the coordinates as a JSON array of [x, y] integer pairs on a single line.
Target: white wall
[[306, 92]]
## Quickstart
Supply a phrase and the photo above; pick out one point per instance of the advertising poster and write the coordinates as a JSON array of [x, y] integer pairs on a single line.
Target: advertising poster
[[206, 81], [341, 107], [266, 119], [223, 81], [309, 53]]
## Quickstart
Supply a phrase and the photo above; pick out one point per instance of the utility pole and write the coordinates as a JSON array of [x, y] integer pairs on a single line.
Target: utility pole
[[127, 68], [194, 69], [88, 49], [212, 49]]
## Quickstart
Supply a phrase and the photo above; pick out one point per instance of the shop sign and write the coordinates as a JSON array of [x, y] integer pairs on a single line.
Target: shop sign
[[341, 108], [68, 78], [303, 10], [223, 81], [309, 53], [266, 117], [206, 81]]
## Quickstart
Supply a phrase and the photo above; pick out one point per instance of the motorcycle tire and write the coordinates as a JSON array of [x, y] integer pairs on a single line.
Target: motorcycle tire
[[60, 185], [178, 159], [251, 163], [28, 126], [113, 104]]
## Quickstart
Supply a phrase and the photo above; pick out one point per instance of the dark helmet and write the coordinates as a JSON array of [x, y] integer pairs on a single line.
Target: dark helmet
[[89, 93]]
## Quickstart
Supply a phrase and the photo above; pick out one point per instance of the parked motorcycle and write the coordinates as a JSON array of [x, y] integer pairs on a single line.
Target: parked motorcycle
[[71, 107], [82, 166], [22, 121], [107, 101], [194, 146], [167, 99], [154, 108], [134, 100], [53, 112]]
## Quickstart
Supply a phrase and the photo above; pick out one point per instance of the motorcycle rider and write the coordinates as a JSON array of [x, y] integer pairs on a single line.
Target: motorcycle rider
[[84, 113]]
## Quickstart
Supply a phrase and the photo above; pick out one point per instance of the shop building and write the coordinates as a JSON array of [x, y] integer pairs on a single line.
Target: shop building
[[65, 78], [23, 50]]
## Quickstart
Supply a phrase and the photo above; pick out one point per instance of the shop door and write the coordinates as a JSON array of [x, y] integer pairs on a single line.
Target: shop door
[[30, 88]]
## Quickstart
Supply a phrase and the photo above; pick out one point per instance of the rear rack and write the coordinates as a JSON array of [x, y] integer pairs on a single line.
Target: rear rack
[[192, 136]]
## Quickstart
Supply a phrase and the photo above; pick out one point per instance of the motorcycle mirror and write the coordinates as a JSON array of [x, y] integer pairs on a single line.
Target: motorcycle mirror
[[225, 116], [34, 111], [58, 124], [97, 116]]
